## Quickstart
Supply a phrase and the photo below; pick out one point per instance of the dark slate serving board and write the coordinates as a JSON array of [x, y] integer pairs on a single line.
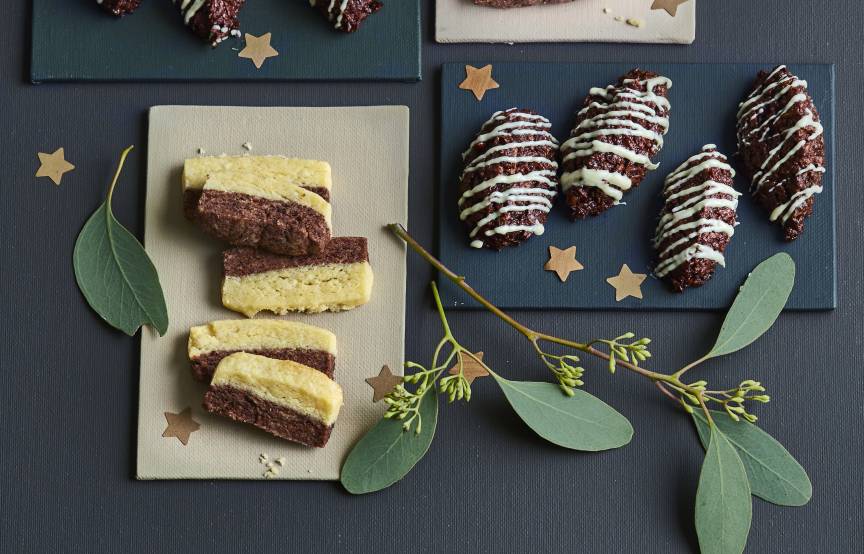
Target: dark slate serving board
[[73, 40], [704, 100]]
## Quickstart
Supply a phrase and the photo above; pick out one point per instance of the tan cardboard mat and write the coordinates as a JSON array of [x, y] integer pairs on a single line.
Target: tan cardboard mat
[[638, 21], [367, 148]]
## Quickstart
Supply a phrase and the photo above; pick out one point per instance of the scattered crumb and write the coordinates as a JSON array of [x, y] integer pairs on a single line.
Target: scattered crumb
[[633, 22], [607, 10], [201, 151], [247, 146], [619, 18]]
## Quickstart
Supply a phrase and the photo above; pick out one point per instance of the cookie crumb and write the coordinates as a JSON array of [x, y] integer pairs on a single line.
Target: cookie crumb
[[201, 151], [247, 146], [633, 22]]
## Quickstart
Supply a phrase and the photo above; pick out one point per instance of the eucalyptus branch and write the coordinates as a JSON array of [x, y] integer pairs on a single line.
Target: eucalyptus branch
[[622, 351]]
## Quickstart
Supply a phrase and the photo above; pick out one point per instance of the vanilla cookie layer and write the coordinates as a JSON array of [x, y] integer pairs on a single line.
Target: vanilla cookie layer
[[258, 334], [303, 173], [312, 289], [283, 382]]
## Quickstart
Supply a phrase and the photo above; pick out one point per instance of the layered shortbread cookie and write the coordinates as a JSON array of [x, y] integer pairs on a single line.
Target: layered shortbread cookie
[[338, 279], [264, 212], [312, 175], [282, 340], [284, 398]]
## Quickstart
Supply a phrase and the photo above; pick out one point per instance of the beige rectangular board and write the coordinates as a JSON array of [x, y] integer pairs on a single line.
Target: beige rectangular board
[[368, 150], [578, 21]]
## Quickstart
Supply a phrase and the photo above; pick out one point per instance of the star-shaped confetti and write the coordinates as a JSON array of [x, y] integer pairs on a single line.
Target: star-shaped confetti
[[671, 6], [180, 425], [258, 49], [627, 283], [53, 165], [470, 368], [478, 81], [383, 384], [563, 262]]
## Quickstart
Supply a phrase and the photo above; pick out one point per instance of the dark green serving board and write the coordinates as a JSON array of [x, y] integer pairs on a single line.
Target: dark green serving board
[[74, 40], [704, 101]]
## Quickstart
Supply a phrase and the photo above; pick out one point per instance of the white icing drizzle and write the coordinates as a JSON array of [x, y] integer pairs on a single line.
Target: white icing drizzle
[[624, 111], [533, 191], [679, 218], [772, 90], [189, 8]]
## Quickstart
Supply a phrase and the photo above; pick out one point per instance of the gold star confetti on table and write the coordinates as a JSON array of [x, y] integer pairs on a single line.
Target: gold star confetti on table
[[383, 384], [563, 262], [258, 49], [180, 425], [478, 81], [671, 6], [627, 283], [470, 368], [53, 165]]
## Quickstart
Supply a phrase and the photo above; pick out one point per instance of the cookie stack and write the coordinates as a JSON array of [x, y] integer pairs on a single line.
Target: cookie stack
[[275, 213]]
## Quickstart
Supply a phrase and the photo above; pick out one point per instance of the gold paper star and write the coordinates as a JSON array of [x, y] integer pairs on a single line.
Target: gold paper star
[[53, 165], [563, 262], [470, 368], [627, 283], [478, 81], [671, 6], [258, 49], [180, 425], [383, 384]]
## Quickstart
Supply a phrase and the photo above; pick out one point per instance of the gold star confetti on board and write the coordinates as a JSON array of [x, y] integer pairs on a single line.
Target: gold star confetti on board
[[470, 368], [671, 6], [563, 262], [383, 384], [180, 425], [478, 81], [258, 49], [53, 165], [627, 283]]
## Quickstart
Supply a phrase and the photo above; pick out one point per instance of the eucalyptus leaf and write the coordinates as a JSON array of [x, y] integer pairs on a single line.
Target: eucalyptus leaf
[[757, 305], [579, 422], [115, 274], [774, 474], [387, 453], [723, 505]]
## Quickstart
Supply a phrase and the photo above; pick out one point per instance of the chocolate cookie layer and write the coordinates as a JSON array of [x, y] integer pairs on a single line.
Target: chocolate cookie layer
[[119, 7], [781, 142], [212, 20], [204, 365], [508, 180], [285, 228], [239, 262], [516, 3], [283, 422], [346, 15], [616, 133], [697, 221]]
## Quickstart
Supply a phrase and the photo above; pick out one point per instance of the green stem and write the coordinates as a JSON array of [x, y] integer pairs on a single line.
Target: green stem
[[117, 175], [533, 336], [689, 366]]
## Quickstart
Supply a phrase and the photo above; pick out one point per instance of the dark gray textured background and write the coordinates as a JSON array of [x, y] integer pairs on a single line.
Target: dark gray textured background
[[68, 400]]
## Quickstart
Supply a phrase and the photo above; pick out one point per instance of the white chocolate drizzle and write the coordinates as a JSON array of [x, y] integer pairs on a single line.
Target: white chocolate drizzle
[[684, 217], [335, 17], [776, 86], [621, 110], [532, 191]]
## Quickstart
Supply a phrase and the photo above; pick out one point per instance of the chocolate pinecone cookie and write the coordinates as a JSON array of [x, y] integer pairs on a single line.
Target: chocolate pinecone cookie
[[697, 221], [782, 145], [212, 20], [613, 140], [346, 15], [516, 3], [119, 7], [509, 179]]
